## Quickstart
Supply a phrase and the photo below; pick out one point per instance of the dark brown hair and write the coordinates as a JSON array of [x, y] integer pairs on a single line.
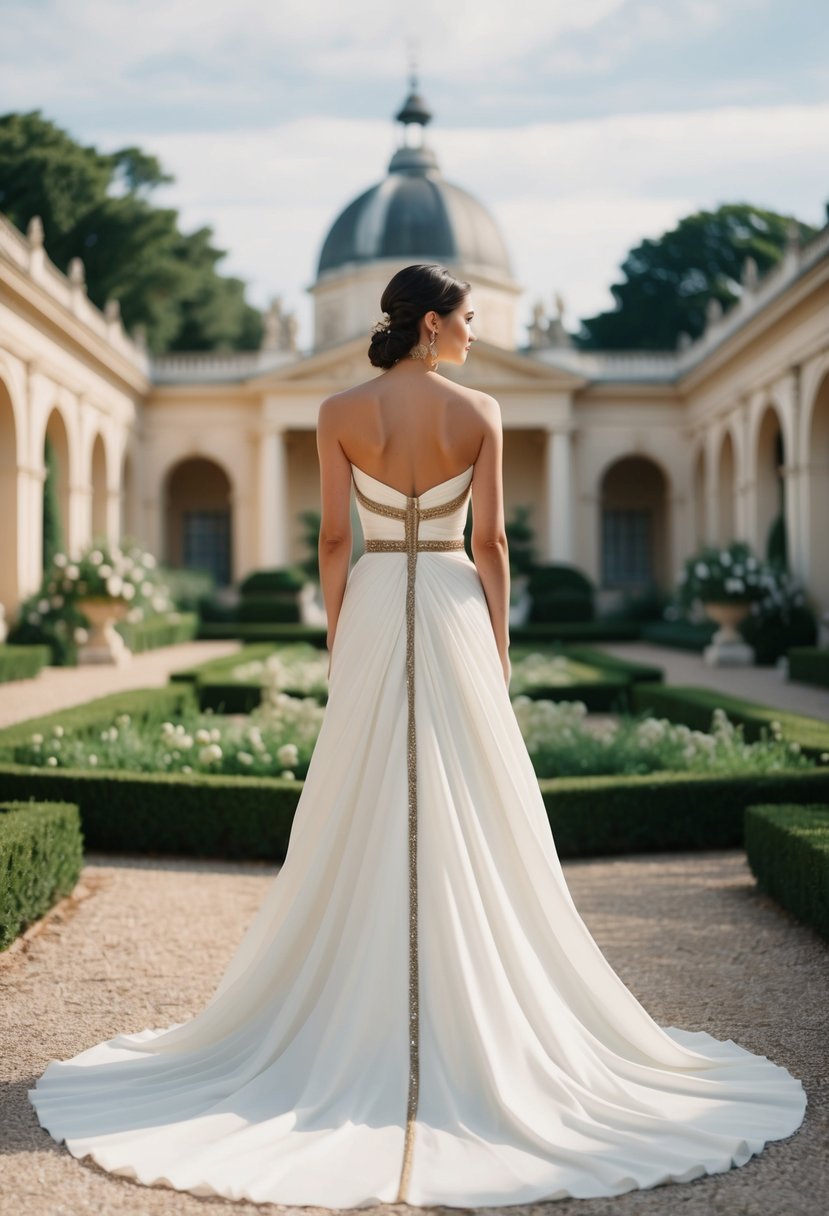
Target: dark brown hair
[[413, 292]]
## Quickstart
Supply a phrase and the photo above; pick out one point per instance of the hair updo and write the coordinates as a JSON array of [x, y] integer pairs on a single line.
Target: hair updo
[[412, 293]]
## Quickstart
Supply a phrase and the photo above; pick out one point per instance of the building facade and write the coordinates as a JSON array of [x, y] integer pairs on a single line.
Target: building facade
[[625, 461]]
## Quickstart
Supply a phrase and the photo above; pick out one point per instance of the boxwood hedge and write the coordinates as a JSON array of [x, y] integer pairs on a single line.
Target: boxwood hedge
[[788, 851]]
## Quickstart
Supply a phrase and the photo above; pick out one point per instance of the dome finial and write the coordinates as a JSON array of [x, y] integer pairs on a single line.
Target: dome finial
[[414, 108]]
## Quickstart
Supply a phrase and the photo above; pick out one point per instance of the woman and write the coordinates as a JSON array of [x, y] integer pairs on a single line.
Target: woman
[[417, 1012]]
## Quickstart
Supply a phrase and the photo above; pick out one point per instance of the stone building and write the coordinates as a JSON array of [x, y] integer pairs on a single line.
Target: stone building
[[627, 461]]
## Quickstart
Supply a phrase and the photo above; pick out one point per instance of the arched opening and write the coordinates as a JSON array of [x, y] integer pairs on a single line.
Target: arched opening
[[634, 521], [128, 524], [771, 535], [699, 499], [726, 491], [819, 498], [197, 518], [55, 519], [9, 572], [99, 490]]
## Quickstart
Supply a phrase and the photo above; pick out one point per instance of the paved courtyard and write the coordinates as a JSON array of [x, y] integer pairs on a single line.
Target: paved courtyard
[[688, 933]]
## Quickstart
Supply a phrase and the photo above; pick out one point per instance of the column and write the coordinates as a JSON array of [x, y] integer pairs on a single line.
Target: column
[[273, 500], [559, 496]]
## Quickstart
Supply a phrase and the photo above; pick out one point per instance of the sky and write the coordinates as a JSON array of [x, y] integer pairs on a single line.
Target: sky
[[583, 125]]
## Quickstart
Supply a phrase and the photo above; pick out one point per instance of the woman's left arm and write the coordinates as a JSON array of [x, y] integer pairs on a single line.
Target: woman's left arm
[[335, 537]]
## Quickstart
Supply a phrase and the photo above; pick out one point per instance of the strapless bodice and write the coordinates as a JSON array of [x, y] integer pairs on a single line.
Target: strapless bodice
[[388, 527]]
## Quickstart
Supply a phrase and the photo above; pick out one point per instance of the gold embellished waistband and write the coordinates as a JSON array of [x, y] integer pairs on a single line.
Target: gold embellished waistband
[[400, 546]]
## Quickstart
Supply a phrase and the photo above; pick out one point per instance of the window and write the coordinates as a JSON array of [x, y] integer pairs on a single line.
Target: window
[[626, 548], [207, 543]]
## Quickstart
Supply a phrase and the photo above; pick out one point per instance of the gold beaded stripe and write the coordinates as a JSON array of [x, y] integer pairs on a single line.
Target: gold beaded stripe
[[411, 514]]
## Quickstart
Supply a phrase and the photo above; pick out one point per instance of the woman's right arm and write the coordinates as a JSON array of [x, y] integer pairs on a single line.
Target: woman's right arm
[[489, 539]]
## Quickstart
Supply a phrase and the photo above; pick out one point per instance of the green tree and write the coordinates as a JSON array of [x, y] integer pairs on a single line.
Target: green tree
[[669, 281], [97, 207]]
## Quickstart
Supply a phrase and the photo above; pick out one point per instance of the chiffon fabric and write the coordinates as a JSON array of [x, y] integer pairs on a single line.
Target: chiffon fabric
[[540, 1074]]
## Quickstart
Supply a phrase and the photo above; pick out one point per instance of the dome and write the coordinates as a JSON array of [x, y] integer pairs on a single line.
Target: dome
[[415, 214]]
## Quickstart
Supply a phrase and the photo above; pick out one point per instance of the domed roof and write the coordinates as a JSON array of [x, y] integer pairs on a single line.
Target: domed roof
[[414, 213]]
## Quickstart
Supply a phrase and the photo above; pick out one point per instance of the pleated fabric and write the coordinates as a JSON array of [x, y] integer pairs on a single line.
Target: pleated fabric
[[540, 1074]]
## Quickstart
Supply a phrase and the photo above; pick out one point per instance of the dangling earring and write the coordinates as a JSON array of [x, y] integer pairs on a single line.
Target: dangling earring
[[433, 351], [419, 352]]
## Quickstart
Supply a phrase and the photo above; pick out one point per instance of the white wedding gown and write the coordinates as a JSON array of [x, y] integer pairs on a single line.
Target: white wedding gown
[[417, 1011]]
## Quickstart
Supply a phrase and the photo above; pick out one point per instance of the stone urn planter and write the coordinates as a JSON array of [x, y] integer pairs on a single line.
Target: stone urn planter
[[727, 647], [104, 644]]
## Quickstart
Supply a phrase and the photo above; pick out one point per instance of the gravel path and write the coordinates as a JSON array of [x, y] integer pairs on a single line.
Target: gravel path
[[688, 933]]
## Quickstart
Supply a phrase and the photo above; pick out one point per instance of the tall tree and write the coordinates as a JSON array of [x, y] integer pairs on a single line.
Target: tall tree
[[669, 281], [97, 206]]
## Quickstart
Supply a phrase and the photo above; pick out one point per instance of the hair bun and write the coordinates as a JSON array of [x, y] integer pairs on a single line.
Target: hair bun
[[389, 344]]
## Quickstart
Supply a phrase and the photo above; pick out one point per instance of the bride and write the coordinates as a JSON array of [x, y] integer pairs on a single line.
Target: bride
[[417, 1013]]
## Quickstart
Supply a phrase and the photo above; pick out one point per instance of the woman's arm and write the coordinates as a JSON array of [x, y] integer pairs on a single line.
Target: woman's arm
[[489, 538], [335, 525]]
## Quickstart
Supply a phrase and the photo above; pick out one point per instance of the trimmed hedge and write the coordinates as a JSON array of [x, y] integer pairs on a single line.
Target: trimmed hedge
[[604, 630], [681, 635], [634, 673], [695, 707], [249, 818], [263, 631], [22, 662], [159, 631], [788, 851], [809, 665], [41, 856], [140, 703]]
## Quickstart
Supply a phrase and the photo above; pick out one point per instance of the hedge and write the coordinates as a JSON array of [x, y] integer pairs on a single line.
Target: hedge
[[249, 818], [809, 665], [788, 851], [22, 662], [159, 631], [140, 703], [695, 707], [681, 635], [41, 856]]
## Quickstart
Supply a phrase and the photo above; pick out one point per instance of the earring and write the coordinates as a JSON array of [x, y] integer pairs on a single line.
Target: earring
[[419, 352], [433, 351]]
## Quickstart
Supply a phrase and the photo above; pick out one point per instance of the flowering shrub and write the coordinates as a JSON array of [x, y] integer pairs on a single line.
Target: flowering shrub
[[298, 667], [779, 615], [53, 614], [730, 575], [275, 741], [278, 739], [563, 743]]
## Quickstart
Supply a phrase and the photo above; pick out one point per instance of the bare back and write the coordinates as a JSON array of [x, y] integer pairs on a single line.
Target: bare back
[[413, 432]]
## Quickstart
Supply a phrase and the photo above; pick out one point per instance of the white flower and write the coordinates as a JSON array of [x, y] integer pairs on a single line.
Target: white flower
[[93, 759], [202, 735], [245, 758], [215, 735], [147, 589], [288, 775], [123, 720], [57, 601], [210, 753], [60, 560], [52, 761], [185, 768], [81, 635], [159, 603], [96, 557], [167, 728], [735, 585], [37, 739], [105, 570], [58, 732], [127, 591], [43, 606], [72, 572], [114, 585], [33, 618], [725, 557], [288, 754], [701, 570], [148, 560]]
